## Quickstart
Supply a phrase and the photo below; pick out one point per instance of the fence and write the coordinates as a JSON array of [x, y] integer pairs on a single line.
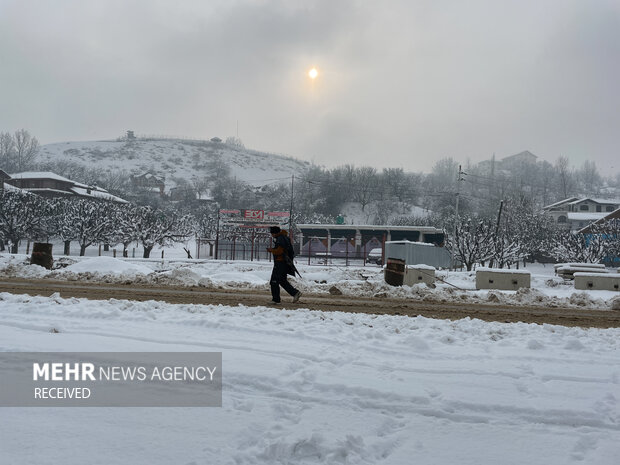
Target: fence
[[314, 250], [341, 251], [234, 248]]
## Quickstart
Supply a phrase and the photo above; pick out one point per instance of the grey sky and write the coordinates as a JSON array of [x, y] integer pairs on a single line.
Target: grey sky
[[401, 84]]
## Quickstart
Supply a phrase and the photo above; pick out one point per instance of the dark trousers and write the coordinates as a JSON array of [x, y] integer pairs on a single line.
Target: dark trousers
[[278, 278]]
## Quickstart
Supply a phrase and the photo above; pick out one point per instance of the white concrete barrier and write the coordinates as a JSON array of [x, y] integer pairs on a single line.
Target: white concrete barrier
[[416, 274], [567, 270], [579, 265], [399, 274], [597, 281], [507, 280]]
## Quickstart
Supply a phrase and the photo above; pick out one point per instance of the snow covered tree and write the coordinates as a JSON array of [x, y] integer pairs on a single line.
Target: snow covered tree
[[473, 241], [124, 229], [20, 217], [605, 235], [520, 233], [86, 221], [205, 221], [575, 247], [156, 227], [234, 142]]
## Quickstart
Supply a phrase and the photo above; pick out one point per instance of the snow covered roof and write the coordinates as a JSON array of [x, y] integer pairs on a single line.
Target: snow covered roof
[[603, 201], [97, 193], [525, 155], [149, 176], [37, 190], [606, 201], [561, 202], [585, 216], [75, 188], [40, 175], [425, 244], [366, 227]]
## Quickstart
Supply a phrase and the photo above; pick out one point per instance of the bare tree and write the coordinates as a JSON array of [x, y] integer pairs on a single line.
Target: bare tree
[[590, 178], [364, 185], [7, 151], [565, 175], [26, 149]]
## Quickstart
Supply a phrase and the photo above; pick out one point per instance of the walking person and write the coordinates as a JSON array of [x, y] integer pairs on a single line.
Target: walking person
[[282, 251]]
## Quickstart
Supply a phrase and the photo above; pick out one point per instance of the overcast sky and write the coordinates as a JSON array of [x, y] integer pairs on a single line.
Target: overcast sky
[[401, 83]]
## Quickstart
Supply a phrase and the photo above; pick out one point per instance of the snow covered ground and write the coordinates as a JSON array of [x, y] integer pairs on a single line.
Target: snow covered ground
[[305, 387], [310, 387]]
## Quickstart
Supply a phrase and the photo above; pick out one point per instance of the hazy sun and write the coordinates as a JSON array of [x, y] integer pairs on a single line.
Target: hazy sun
[[313, 73]]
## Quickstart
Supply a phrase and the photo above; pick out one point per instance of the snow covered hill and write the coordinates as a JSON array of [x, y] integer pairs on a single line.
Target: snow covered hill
[[175, 159]]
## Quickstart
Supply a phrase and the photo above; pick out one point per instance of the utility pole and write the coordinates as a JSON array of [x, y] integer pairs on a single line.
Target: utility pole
[[499, 218], [456, 210], [458, 193], [290, 218]]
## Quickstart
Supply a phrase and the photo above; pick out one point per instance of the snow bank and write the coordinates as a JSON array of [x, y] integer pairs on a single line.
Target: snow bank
[[106, 265]]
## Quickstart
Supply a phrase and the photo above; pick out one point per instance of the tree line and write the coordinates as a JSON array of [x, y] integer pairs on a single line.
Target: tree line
[[25, 216]]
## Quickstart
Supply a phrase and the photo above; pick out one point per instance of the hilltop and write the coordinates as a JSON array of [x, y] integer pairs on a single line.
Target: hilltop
[[175, 159]]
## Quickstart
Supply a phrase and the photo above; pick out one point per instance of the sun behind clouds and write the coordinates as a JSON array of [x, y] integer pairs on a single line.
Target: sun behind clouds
[[313, 73]]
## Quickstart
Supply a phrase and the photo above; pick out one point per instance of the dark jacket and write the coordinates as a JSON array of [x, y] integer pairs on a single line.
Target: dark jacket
[[280, 257], [279, 247]]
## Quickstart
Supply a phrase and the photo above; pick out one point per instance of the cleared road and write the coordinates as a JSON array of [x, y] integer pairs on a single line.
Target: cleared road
[[431, 309]]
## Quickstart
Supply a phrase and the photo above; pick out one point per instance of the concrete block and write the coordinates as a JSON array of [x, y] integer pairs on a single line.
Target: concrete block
[[507, 280], [419, 274], [597, 282]]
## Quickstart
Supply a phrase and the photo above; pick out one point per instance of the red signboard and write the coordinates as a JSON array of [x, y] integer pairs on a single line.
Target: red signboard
[[254, 215], [278, 214]]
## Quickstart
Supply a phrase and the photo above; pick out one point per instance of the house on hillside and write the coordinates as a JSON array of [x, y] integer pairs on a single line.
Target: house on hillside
[[50, 185], [576, 213], [523, 158], [511, 163], [149, 182]]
